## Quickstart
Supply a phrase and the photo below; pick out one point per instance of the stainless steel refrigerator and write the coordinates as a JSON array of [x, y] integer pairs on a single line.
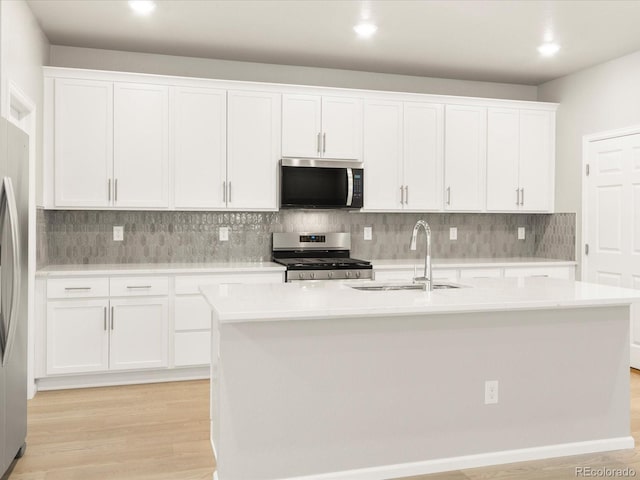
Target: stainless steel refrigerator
[[14, 212]]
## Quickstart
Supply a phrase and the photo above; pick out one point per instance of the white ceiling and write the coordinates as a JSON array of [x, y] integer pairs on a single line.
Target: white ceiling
[[474, 40]]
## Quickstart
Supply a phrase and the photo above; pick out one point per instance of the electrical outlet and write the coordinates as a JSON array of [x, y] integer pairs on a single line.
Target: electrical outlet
[[118, 234], [453, 233], [490, 392], [368, 234], [520, 233], [224, 234]]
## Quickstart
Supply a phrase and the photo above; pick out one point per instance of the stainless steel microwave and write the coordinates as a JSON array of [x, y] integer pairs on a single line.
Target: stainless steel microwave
[[311, 183]]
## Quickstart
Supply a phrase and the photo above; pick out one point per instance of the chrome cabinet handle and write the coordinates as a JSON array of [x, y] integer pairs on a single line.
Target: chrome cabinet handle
[[138, 286], [448, 195], [229, 192], [71, 289], [112, 322], [324, 143], [522, 196], [517, 196], [104, 323], [401, 195], [115, 194], [318, 141], [406, 194], [109, 189]]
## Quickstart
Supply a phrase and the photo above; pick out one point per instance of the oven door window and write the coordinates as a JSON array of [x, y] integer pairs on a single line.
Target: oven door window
[[313, 187]]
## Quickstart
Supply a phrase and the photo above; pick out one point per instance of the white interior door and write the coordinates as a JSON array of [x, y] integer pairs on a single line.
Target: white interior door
[[612, 219]]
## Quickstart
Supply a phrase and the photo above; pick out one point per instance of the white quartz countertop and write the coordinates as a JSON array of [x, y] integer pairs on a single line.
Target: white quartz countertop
[[334, 299], [390, 264], [159, 268]]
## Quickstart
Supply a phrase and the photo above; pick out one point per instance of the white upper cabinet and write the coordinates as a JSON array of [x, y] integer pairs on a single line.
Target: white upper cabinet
[[383, 189], [537, 160], [423, 155], [403, 150], [465, 157], [301, 126], [198, 147], [131, 141], [520, 160], [316, 126], [141, 145], [503, 150], [342, 128], [83, 142], [253, 150]]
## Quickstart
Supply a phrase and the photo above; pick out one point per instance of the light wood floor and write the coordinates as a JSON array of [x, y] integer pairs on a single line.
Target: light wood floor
[[161, 431]]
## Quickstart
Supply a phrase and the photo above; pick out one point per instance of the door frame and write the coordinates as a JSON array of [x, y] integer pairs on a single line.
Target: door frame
[[586, 141]]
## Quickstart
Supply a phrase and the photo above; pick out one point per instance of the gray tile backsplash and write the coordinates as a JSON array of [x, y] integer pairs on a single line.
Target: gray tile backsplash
[[76, 237]]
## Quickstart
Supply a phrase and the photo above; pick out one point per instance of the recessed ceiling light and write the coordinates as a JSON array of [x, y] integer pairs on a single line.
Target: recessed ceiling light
[[365, 29], [548, 49], [142, 7]]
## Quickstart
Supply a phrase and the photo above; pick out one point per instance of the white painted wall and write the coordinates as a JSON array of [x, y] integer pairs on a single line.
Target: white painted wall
[[24, 50], [603, 97], [62, 56]]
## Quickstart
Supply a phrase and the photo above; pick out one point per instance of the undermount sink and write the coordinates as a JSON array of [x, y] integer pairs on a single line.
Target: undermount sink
[[403, 286]]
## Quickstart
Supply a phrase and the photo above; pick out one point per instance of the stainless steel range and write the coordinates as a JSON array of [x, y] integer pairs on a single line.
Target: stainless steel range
[[318, 256]]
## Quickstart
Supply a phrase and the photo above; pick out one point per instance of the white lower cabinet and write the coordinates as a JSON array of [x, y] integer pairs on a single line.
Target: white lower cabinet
[[139, 333], [77, 336], [405, 273]]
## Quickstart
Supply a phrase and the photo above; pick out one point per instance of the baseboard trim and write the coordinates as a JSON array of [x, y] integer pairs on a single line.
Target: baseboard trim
[[473, 461], [121, 378]]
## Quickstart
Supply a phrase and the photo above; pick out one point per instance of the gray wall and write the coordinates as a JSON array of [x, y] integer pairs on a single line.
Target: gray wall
[[76, 237], [600, 98], [75, 57]]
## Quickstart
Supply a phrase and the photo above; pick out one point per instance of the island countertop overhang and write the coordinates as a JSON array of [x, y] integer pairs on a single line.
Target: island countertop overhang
[[235, 303]]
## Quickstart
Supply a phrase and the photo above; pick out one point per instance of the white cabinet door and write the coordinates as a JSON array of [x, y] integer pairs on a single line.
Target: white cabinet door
[[139, 333], [383, 155], [83, 149], [253, 150], [423, 156], [301, 125], [537, 151], [199, 146], [77, 336], [465, 157], [141, 146], [503, 152], [342, 128]]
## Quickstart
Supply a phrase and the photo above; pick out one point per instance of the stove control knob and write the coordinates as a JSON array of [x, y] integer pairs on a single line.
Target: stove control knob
[[301, 276], [312, 275], [348, 274], [357, 274], [330, 274]]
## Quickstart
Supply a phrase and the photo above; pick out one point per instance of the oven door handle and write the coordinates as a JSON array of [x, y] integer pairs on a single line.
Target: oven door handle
[[349, 187]]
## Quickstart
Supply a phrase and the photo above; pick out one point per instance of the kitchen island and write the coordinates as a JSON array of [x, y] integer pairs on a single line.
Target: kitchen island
[[318, 380]]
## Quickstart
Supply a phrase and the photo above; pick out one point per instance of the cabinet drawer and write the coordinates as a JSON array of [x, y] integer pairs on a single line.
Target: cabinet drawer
[[192, 312], [139, 286], [77, 287], [190, 284], [192, 348], [481, 273], [566, 273], [448, 274]]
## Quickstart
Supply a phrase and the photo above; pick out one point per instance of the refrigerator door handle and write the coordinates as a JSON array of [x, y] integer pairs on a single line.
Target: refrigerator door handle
[[8, 201]]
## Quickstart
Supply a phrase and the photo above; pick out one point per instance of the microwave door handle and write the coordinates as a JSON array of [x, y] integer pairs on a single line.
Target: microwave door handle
[[349, 187], [8, 202]]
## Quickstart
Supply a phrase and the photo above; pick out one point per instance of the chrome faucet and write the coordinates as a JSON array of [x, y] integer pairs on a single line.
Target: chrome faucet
[[427, 278]]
